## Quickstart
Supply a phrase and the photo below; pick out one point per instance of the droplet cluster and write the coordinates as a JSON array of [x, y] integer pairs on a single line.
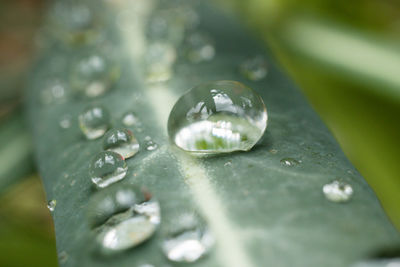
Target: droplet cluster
[[211, 118]]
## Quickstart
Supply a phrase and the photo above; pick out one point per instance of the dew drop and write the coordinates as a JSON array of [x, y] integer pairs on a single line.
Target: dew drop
[[217, 117], [151, 145], [338, 191], [188, 242], [62, 257], [65, 121], [129, 119], [54, 91], [74, 21], [51, 205], [199, 48], [159, 60], [122, 142], [290, 162], [165, 26], [94, 121], [228, 163], [93, 75], [123, 217], [106, 168], [254, 69]]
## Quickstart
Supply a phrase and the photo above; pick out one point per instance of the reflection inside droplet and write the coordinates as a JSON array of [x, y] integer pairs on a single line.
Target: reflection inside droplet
[[106, 168], [124, 218], [188, 242], [94, 121], [121, 141], [338, 191], [217, 117]]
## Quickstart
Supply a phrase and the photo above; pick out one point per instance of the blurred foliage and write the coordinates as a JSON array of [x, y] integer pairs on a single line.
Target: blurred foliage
[[362, 115], [26, 230]]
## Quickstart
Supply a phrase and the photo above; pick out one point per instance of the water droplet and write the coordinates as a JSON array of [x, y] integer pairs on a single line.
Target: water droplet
[[51, 205], [53, 91], [93, 75], [124, 217], [200, 47], [228, 163], [62, 257], [273, 151], [94, 121], [129, 119], [289, 162], [151, 145], [159, 60], [188, 242], [75, 22], [65, 121], [218, 117], [338, 191], [165, 26], [122, 142], [254, 69], [107, 167]]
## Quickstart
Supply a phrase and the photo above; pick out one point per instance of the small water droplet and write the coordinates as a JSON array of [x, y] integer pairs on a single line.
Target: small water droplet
[[122, 142], [94, 121], [165, 26], [338, 191], [65, 121], [51, 205], [107, 167], [188, 242], [124, 217], [273, 151], [151, 145], [200, 47], [290, 162], [94, 75], [254, 69], [228, 163], [62, 257], [159, 60], [218, 117], [129, 119], [54, 91]]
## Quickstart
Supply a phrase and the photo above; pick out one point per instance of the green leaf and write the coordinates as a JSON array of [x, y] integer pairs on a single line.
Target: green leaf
[[261, 212]]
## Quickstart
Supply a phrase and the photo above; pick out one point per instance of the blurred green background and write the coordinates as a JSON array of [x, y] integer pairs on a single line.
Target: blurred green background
[[344, 55]]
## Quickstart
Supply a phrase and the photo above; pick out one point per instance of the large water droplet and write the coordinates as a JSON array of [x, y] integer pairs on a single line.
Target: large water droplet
[[188, 242], [124, 217], [338, 191], [129, 119], [94, 75], [289, 162], [122, 142], [218, 117], [94, 121], [51, 205], [159, 60], [255, 68], [107, 167], [199, 48]]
